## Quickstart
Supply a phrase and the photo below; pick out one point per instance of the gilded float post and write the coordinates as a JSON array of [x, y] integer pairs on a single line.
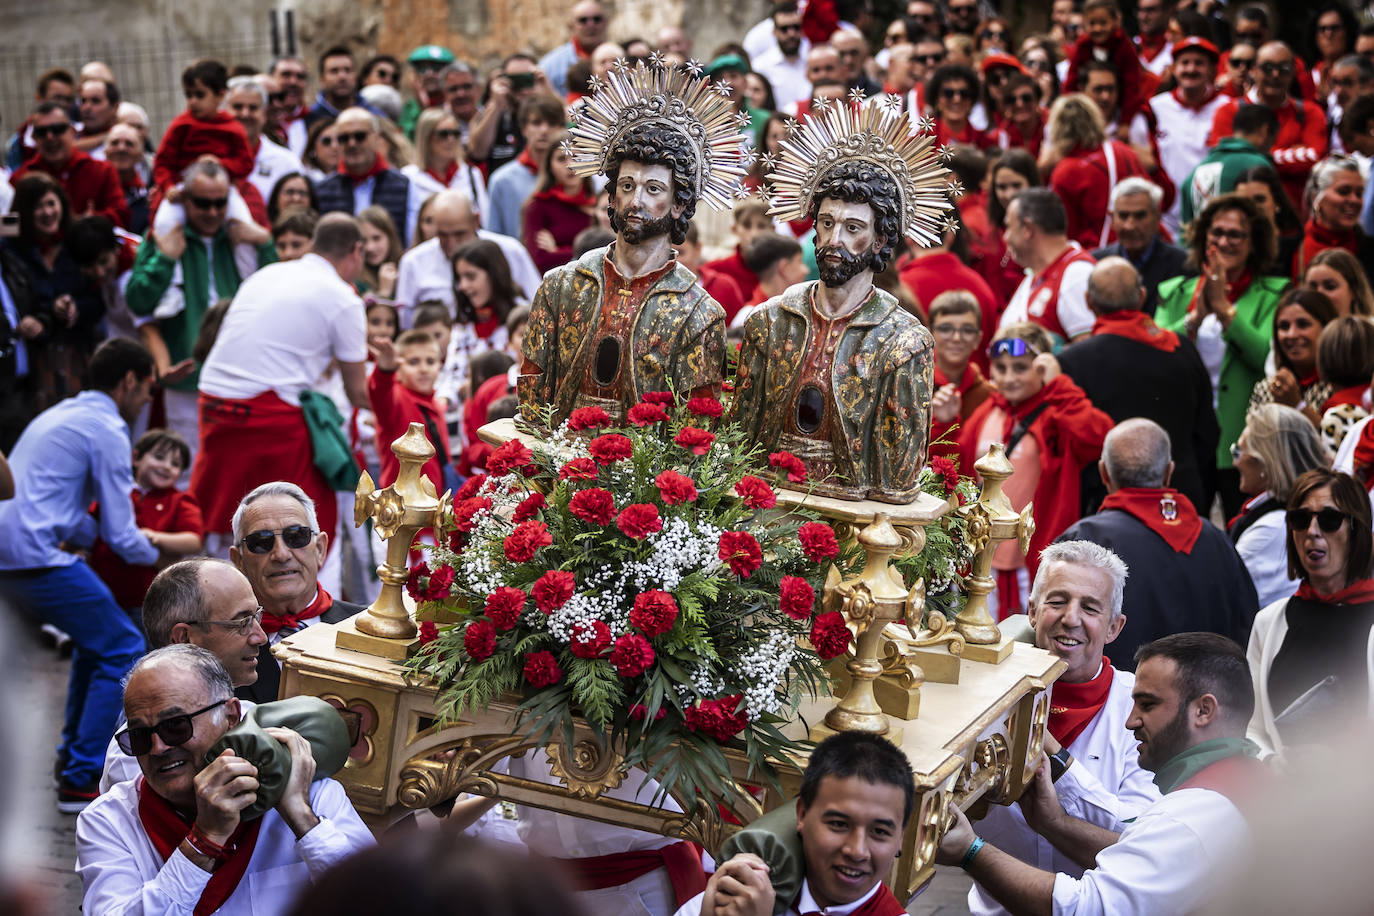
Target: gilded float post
[[991, 520]]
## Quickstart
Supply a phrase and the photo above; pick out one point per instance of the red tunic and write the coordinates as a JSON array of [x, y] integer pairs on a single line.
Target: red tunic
[[90, 185], [187, 139], [735, 268], [396, 407], [168, 510], [1082, 181]]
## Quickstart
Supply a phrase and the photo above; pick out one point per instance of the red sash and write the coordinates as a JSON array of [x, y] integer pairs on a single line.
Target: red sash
[[682, 860], [1240, 778], [1073, 706], [883, 903], [166, 828], [271, 623], [1136, 325], [1358, 592], [1167, 513]]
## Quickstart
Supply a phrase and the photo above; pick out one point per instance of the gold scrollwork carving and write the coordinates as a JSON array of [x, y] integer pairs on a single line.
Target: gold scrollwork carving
[[931, 827], [587, 769], [1025, 528], [443, 772], [913, 540], [984, 770], [704, 825]]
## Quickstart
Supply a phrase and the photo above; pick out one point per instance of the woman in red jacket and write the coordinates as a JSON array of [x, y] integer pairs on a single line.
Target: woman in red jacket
[[561, 206], [1085, 166]]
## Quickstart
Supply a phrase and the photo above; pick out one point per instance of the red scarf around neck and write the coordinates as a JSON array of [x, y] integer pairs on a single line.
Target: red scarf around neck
[[970, 377], [1073, 706], [1014, 414], [1353, 396], [1360, 591], [581, 200], [527, 161], [882, 903], [271, 623], [166, 828], [379, 165], [1316, 238], [447, 178], [1151, 45], [1133, 324], [1167, 513]]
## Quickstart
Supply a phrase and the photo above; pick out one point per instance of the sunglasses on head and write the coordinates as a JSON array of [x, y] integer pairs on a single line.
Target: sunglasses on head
[[174, 732], [50, 130], [1328, 519], [293, 536], [1012, 346], [354, 136], [209, 203]]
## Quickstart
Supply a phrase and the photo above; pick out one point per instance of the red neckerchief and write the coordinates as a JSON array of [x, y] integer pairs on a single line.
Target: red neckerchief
[[581, 51], [1013, 414], [1211, 94], [271, 623], [295, 115], [527, 161], [1316, 238], [968, 136], [1073, 706], [1358, 592], [379, 165], [166, 828], [484, 329], [1353, 395], [1133, 324], [583, 199], [1364, 456], [966, 381], [1307, 381], [1244, 508], [446, 178], [1168, 513], [1151, 45], [881, 903]]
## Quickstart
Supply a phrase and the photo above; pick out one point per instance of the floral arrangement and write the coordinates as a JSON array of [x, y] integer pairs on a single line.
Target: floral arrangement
[[639, 576], [948, 556]]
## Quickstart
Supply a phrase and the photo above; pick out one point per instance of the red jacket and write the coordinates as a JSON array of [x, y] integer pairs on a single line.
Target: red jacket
[[1301, 141], [735, 268], [168, 510], [1070, 432], [724, 290], [974, 389], [187, 139], [1081, 180], [934, 274], [396, 407], [546, 211], [1122, 55], [89, 183]]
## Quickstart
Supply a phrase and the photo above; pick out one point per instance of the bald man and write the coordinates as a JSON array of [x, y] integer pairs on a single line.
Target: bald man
[[1167, 381], [586, 29], [366, 178], [1191, 576]]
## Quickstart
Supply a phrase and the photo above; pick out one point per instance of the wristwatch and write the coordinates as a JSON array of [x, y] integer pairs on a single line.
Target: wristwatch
[[1059, 763]]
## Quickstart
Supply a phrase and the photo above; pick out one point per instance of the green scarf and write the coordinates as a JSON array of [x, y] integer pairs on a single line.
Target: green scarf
[[181, 330], [1200, 756]]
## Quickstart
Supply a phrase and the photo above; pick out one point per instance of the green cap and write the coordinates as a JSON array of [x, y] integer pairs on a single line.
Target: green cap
[[727, 62], [435, 53]]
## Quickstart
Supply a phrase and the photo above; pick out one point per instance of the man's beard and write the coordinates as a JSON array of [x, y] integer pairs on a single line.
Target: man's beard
[[646, 230], [850, 266], [790, 47], [1171, 741]]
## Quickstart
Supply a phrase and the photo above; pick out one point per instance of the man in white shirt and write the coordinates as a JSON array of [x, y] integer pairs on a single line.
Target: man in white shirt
[[784, 65], [135, 850], [1075, 608], [247, 101], [1192, 700], [1054, 292], [426, 271]]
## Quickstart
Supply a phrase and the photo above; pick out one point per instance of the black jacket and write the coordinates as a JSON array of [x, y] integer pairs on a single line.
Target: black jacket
[[1166, 262], [269, 669]]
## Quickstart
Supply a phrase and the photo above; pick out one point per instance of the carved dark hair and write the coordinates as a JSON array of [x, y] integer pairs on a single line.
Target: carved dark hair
[[858, 182], [652, 145]]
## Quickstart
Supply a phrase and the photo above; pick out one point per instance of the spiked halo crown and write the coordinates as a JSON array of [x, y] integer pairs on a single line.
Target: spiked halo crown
[[679, 99], [877, 133]]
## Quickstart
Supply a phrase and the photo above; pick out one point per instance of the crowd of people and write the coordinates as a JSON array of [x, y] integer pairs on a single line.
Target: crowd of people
[[1153, 295]]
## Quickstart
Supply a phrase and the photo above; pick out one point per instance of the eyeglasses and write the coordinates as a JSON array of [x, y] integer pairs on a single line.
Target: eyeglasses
[[209, 203], [448, 133], [788, 28], [174, 732], [1012, 346], [1254, 38], [1328, 519], [1230, 235], [293, 536], [993, 35], [1236, 452], [952, 93], [1023, 98], [1330, 29], [956, 330], [50, 130], [325, 140], [1273, 69], [354, 136], [240, 625]]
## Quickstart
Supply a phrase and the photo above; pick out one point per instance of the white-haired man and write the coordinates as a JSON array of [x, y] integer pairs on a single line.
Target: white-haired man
[[1076, 609], [247, 101], [1135, 208]]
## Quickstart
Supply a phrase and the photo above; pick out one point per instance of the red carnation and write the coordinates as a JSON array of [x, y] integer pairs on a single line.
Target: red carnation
[[647, 414], [593, 505], [470, 488], [661, 398], [818, 541], [947, 469], [578, 469], [674, 488], [740, 552], [541, 669], [429, 631], [440, 580], [638, 711], [632, 655], [418, 574], [653, 613], [529, 507], [479, 639], [552, 590], [610, 448], [522, 543], [511, 455], [696, 441], [504, 606], [705, 407], [588, 418], [786, 461], [829, 634], [756, 493], [465, 512], [722, 718], [797, 597], [639, 521], [590, 641]]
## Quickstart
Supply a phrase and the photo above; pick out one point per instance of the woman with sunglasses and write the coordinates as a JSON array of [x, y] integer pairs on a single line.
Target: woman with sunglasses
[[1295, 382], [322, 150], [1276, 447], [439, 161], [1334, 197], [1228, 312], [993, 37], [1314, 650], [1330, 36], [1237, 75], [952, 91]]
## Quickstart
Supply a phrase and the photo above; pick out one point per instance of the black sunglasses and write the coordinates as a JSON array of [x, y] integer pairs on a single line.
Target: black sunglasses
[[448, 133], [276, 98], [354, 136], [951, 93], [174, 732], [50, 130], [209, 203], [1272, 69], [1328, 519], [929, 59], [293, 536]]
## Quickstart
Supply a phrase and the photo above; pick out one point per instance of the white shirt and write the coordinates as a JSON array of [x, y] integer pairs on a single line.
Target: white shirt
[[787, 77], [273, 161], [425, 273], [1181, 135], [120, 767], [466, 179], [760, 39], [297, 136], [1104, 786], [1071, 306], [806, 903], [1263, 548], [122, 873], [1168, 860], [287, 322]]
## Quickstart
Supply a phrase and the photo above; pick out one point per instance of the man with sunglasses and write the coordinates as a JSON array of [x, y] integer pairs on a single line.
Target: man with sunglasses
[[71, 453], [247, 102], [784, 64], [427, 63], [92, 185], [587, 29], [366, 178], [175, 841]]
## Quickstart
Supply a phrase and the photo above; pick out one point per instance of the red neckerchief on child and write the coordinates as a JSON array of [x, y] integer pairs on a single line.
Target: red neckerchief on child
[[966, 381], [1014, 414], [166, 828], [379, 165], [1151, 45], [1167, 513], [1134, 324], [1073, 706], [1353, 396], [484, 329], [527, 161], [271, 623], [447, 178], [1359, 592]]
